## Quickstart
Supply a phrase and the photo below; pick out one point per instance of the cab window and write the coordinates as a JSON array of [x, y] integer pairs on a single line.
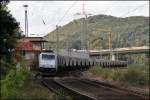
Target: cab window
[[48, 57]]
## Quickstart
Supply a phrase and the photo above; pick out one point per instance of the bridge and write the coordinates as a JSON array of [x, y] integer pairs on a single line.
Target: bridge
[[142, 49], [112, 52]]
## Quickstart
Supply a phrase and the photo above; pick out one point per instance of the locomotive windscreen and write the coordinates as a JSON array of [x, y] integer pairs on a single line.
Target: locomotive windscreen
[[48, 57]]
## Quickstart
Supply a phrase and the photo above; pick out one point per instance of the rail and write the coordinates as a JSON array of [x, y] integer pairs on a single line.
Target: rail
[[89, 89]]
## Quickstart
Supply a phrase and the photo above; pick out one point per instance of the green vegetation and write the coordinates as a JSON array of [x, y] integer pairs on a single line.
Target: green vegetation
[[126, 32], [20, 88], [9, 33], [32, 89], [13, 81], [61, 95], [135, 74], [18, 84]]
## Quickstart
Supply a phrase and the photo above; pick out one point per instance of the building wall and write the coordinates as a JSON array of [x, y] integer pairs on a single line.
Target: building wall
[[37, 46], [29, 55], [32, 57]]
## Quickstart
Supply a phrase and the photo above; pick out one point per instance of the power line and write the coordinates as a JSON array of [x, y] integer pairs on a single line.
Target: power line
[[57, 34], [66, 12], [130, 12], [50, 24], [134, 9]]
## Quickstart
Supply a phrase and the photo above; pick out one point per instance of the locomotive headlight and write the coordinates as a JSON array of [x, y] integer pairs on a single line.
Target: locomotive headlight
[[51, 66]]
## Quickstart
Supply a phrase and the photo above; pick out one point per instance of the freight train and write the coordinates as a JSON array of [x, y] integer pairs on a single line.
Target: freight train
[[51, 62]]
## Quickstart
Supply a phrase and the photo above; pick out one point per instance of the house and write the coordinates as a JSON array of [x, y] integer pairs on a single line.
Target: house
[[29, 48]]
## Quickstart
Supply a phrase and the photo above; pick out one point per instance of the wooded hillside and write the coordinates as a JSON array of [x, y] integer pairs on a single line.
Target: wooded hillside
[[126, 32]]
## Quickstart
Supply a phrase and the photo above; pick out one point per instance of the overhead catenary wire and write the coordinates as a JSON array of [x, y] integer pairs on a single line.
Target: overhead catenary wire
[[39, 15], [75, 3], [63, 15], [66, 12], [133, 10], [57, 27], [130, 11], [60, 20], [50, 24]]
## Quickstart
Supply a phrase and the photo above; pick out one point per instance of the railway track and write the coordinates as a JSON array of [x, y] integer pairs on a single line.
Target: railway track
[[87, 89], [134, 91], [56, 87]]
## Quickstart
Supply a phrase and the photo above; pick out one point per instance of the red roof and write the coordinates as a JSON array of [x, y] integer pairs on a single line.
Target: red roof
[[25, 45]]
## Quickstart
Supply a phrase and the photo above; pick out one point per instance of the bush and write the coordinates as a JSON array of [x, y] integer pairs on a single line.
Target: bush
[[106, 73], [117, 75], [12, 82], [7, 86], [4, 68], [136, 74]]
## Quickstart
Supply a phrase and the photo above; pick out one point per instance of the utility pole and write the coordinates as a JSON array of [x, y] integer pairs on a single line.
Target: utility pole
[[68, 43], [84, 36], [109, 39], [100, 38], [26, 20], [117, 46], [84, 28], [57, 40]]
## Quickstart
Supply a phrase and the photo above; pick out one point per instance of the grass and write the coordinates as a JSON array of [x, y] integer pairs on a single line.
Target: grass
[[61, 96], [33, 90], [13, 81], [18, 84], [28, 89], [135, 74]]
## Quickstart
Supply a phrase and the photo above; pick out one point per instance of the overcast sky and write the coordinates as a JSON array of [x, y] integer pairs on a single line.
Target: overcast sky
[[52, 11]]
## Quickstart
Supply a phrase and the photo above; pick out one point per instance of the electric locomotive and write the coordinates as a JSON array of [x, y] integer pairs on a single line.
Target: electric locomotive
[[48, 63]]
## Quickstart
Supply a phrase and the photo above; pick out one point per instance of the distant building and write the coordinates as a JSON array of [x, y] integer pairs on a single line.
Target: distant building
[[30, 47]]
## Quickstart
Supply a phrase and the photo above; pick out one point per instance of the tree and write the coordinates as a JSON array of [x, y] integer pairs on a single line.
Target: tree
[[9, 33]]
